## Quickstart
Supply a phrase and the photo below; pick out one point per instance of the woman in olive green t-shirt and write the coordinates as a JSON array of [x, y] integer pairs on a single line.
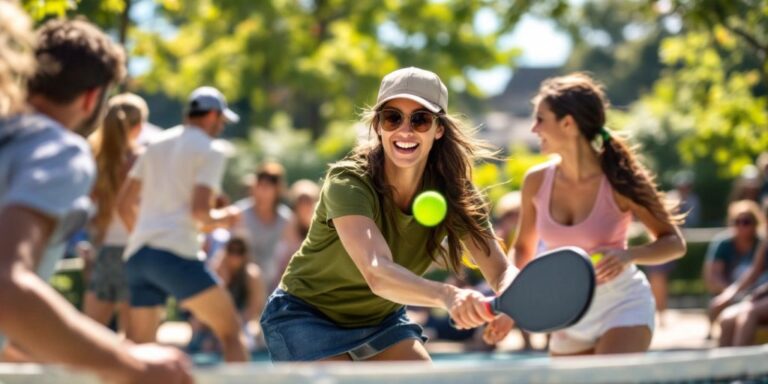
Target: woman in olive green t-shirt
[[343, 293]]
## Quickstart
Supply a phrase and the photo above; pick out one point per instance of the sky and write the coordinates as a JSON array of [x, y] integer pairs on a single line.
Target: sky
[[538, 38]]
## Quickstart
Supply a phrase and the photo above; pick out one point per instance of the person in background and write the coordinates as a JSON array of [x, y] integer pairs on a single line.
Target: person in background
[[658, 275], [264, 217], [303, 195], [731, 255], [46, 171], [688, 198], [506, 215], [167, 216], [739, 322], [216, 239], [747, 185], [245, 284], [115, 150]]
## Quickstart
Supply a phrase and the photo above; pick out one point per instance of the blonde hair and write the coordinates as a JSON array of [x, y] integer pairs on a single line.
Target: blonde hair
[[17, 62], [114, 153]]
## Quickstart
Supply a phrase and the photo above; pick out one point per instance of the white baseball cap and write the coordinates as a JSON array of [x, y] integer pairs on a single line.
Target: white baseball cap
[[211, 99]]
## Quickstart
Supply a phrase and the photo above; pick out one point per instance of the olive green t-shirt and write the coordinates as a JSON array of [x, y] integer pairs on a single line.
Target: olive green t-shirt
[[323, 274]]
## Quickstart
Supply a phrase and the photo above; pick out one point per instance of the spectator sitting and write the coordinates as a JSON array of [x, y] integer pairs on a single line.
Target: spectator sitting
[[732, 255], [738, 322], [244, 281]]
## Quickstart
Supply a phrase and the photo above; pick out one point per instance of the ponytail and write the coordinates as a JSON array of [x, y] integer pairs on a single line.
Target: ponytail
[[631, 179], [114, 154]]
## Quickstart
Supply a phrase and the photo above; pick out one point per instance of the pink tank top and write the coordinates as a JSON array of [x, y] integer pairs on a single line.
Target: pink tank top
[[605, 226]]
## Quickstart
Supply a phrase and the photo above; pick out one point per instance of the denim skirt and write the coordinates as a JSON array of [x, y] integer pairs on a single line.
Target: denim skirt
[[296, 331]]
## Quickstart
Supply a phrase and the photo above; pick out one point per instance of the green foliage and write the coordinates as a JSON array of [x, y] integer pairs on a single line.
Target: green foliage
[[302, 157], [720, 80], [103, 13], [618, 41], [498, 179], [703, 115], [41, 9], [740, 24], [317, 60]]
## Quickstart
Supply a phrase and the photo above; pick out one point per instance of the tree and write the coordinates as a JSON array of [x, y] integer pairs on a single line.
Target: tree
[[709, 110], [618, 41], [738, 25], [318, 61]]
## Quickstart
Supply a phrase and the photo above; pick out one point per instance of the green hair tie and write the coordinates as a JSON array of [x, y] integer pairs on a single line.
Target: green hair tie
[[605, 134]]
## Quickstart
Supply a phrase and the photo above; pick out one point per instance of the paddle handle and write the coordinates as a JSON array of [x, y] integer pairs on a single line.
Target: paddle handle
[[490, 306]]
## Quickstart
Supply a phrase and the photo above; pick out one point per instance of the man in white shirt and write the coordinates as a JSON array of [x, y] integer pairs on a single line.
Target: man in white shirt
[[174, 183]]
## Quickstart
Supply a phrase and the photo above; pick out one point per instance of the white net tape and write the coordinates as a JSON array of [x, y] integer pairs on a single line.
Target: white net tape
[[742, 365]]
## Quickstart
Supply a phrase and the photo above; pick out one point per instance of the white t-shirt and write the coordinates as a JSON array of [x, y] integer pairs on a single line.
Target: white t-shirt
[[179, 159]]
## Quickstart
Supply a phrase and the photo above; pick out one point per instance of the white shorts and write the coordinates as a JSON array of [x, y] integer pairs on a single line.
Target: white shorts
[[625, 301]]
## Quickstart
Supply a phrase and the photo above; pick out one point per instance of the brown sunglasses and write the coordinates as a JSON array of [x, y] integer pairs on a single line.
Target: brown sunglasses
[[420, 121]]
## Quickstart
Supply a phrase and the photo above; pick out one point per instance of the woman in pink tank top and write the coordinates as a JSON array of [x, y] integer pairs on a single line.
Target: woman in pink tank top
[[588, 198]]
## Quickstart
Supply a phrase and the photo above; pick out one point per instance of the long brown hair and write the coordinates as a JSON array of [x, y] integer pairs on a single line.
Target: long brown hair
[[114, 154], [17, 61], [448, 170], [581, 97]]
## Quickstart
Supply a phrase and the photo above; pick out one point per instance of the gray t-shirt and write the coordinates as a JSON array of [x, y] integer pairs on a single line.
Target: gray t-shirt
[[45, 167], [261, 238]]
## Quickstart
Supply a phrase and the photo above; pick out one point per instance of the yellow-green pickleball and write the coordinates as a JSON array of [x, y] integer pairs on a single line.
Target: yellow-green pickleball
[[596, 257], [429, 208]]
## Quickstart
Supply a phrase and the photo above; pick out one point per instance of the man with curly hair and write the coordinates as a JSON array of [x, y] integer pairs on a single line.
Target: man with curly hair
[[46, 171]]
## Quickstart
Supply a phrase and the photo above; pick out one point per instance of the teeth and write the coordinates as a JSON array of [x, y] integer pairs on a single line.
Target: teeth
[[404, 145]]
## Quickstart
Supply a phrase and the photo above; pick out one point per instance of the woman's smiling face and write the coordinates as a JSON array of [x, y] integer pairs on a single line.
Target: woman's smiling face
[[404, 146], [548, 128]]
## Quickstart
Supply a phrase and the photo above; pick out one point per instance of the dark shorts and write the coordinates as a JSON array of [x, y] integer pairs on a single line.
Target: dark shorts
[[296, 331], [108, 278], [662, 269], [154, 274]]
